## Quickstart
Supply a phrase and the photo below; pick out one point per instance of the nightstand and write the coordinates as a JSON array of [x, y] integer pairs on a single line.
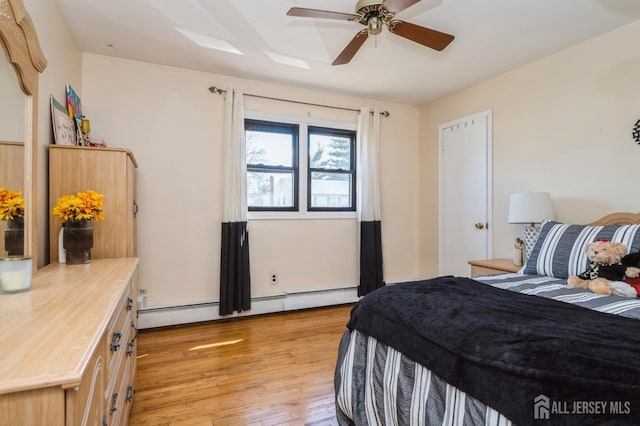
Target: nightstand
[[492, 266]]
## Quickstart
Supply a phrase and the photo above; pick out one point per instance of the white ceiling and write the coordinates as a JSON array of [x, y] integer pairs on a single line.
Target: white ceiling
[[492, 36]]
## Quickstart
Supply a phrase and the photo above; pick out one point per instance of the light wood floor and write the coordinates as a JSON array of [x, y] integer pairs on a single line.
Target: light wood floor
[[266, 370]]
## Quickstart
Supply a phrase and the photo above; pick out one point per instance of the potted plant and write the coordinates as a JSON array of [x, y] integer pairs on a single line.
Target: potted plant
[[76, 212], [12, 211]]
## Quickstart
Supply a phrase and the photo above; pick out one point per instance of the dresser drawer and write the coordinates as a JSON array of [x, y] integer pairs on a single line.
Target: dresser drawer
[[119, 333], [128, 388], [120, 397]]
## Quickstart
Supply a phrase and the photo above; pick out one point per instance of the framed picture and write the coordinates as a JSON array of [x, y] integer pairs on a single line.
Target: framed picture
[[64, 128], [73, 103]]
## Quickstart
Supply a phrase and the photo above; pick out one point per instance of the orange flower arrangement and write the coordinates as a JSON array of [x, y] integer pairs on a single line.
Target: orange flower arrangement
[[85, 205], [11, 204]]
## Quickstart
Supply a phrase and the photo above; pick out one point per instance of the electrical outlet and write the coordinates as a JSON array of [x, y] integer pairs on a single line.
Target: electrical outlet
[[274, 279], [142, 291]]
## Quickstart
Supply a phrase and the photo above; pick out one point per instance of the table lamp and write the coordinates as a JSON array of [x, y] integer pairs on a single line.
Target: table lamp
[[531, 208]]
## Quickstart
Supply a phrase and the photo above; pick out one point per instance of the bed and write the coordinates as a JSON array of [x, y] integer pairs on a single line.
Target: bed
[[507, 349]]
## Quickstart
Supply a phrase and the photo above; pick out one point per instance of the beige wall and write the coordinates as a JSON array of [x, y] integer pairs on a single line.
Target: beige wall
[[64, 65], [561, 124], [174, 125]]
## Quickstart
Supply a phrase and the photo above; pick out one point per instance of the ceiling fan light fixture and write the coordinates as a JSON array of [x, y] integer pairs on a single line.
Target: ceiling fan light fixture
[[374, 26]]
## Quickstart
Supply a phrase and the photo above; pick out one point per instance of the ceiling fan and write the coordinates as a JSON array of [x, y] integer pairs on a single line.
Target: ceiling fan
[[375, 14]]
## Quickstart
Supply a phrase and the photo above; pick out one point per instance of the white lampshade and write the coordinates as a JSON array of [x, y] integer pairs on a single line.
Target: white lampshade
[[530, 207]]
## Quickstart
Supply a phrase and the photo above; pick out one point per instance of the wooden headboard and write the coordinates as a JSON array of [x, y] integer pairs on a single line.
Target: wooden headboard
[[621, 218]]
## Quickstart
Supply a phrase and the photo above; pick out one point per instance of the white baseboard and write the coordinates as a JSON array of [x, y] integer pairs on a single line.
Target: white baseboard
[[175, 315]]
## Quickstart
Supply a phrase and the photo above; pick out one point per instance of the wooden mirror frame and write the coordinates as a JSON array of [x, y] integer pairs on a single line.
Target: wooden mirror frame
[[21, 44]]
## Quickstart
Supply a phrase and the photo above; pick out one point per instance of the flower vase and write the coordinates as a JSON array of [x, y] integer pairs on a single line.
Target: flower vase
[[14, 237], [77, 240]]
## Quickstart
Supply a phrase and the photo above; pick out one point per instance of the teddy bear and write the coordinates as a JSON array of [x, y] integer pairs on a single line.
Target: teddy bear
[[632, 259], [606, 274]]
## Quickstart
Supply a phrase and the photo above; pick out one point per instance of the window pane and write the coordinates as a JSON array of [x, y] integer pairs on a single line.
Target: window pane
[[269, 149], [266, 189], [329, 152], [330, 190]]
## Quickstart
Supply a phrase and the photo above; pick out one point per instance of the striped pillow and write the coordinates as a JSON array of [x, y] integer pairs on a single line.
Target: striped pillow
[[560, 249]]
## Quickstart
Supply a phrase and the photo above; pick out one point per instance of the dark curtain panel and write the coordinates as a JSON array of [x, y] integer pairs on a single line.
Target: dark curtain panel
[[235, 281], [370, 257]]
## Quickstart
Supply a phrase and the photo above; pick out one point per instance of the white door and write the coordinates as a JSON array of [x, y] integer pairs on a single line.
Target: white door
[[465, 193]]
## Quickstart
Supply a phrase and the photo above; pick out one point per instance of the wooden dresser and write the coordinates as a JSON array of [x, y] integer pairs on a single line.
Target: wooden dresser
[[68, 353]]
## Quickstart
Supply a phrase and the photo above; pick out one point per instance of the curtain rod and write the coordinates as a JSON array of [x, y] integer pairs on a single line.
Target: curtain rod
[[214, 89]]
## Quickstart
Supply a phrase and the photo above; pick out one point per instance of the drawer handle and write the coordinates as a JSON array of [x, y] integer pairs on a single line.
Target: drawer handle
[[129, 393], [114, 398], [135, 331], [104, 420], [130, 346], [115, 341], [129, 303]]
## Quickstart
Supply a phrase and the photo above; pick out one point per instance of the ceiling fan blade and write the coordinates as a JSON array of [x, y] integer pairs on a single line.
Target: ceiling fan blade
[[325, 14], [352, 48], [425, 36], [395, 6]]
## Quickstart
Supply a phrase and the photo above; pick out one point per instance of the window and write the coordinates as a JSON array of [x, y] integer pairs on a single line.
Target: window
[[272, 166], [281, 170], [331, 178]]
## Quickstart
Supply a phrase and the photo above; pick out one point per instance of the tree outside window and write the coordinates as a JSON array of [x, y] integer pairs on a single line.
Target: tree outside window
[[273, 178], [331, 169]]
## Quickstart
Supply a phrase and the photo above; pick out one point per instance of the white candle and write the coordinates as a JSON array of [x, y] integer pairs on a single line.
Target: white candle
[[15, 274], [13, 281]]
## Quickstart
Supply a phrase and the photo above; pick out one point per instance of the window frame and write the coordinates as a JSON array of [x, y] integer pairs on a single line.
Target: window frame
[[349, 134], [303, 122], [287, 129]]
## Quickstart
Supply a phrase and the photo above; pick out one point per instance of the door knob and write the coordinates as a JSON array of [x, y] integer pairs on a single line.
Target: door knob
[[479, 225]]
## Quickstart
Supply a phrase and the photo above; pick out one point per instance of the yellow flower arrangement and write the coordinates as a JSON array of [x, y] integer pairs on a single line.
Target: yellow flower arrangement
[[11, 204], [85, 205]]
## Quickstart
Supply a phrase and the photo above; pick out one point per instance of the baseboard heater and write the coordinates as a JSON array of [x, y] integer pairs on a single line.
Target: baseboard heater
[[152, 317]]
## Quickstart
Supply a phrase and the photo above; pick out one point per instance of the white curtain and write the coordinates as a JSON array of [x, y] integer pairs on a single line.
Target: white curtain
[[235, 159], [235, 281], [368, 181], [368, 204]]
